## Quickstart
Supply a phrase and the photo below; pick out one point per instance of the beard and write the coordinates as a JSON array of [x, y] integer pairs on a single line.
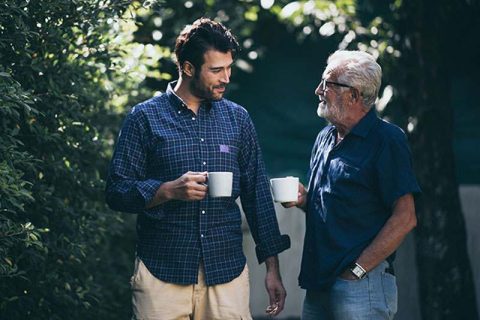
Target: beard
[[203, 92], [331, 112]]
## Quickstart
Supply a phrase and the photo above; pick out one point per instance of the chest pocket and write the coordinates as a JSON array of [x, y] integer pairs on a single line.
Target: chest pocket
[[225, 157], [342, 175]]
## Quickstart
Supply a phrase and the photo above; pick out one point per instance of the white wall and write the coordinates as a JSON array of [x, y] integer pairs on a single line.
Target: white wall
[[291, 222], [470, 198]]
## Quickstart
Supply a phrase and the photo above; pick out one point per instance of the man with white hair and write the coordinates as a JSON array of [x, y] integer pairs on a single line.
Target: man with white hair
[[359, 204]]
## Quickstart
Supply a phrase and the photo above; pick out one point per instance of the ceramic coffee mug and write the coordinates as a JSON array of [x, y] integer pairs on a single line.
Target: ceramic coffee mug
[[220, 184], [284, 189]]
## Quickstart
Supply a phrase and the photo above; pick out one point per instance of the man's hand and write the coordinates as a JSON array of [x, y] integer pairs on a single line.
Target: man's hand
[[274, 286], [189, 187], [302, 199], [348, 275]]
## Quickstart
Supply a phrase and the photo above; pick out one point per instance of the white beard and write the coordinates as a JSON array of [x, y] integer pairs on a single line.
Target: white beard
[[331, 113], [322, 110]]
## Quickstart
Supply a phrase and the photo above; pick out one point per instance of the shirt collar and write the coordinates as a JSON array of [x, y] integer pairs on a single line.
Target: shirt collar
[[365, 124], [175, 100], [178, 102]]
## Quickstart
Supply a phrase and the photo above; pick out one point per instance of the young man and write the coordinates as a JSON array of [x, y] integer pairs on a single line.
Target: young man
[[190, 263], [359, 205]]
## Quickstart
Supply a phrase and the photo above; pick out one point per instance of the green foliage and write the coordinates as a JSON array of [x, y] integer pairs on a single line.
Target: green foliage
[[259, 26], [58, 242], [68, 71]]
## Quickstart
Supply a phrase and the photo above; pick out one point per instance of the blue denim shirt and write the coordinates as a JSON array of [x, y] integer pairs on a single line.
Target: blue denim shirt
[[161, 139], [352, 189]]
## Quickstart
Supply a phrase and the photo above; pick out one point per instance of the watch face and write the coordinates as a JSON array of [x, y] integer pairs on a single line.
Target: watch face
[[359, 273]]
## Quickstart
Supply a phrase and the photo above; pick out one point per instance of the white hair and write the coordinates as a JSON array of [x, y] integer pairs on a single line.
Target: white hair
[[359, 70]]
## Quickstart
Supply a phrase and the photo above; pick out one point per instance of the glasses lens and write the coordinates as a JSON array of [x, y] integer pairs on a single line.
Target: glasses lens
[[323, 84]]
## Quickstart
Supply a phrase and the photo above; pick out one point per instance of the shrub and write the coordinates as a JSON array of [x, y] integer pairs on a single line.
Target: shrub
[[59, 252]]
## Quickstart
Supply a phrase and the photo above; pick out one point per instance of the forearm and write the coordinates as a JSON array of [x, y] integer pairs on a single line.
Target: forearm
[[386, 242], [262, 220], [272, 265], [402, 221], [128, 195], [162, 195], [274, 286]]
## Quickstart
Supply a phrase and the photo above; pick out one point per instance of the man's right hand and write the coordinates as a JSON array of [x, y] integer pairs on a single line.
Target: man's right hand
[[302, 199], [189, 187]]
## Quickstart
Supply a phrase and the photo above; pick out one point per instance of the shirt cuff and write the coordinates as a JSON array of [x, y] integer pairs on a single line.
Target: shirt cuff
[[148, 189], [272, 248]]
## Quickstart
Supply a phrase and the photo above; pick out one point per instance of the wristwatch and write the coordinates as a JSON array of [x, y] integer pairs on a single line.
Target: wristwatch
[[358, 271]]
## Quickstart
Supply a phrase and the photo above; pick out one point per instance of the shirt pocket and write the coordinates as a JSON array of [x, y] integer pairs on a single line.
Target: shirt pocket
[[343, 176], [225, 157]]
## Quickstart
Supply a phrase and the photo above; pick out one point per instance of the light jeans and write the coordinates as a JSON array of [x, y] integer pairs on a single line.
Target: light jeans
[[372, 298]]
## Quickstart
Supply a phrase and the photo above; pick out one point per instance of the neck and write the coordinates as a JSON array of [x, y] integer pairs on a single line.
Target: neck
[[182, 89], [349, 120]]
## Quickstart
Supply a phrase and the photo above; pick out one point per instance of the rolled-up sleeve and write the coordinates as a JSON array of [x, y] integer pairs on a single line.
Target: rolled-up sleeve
[[256, 198], [128, 188]]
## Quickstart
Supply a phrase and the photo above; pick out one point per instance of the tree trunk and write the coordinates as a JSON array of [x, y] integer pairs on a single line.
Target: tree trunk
[[445, 276]]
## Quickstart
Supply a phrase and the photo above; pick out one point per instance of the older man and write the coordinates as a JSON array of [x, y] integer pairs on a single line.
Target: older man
[[359, 205]]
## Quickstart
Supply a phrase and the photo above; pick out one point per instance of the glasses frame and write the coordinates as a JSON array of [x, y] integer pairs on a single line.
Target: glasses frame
[[324, 83]]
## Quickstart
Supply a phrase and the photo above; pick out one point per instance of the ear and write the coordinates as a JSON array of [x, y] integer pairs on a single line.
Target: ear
[[188, 69], [355, 94]]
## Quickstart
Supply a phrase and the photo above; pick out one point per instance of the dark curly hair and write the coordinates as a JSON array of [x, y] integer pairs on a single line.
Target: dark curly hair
[[203, 35]]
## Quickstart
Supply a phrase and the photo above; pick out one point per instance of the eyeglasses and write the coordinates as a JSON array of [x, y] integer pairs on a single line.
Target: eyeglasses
[[324, 83]]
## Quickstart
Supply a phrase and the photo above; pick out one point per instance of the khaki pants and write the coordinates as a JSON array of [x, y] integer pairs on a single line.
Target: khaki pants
[[159, 300]]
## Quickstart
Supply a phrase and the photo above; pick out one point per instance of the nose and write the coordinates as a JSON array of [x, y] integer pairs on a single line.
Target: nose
[[226, 76], [321, 87]]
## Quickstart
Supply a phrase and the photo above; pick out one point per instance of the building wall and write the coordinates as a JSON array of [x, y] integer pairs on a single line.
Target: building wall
[[469, 196], [292, 222]]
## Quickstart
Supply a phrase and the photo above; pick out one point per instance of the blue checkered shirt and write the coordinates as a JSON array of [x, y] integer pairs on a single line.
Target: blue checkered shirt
[[161, 139]]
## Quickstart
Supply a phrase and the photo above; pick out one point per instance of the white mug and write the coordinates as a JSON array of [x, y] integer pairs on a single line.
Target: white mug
[[285, 189], [220, 184]]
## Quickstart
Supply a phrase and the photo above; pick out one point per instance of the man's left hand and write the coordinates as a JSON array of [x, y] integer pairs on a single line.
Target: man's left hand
[[348, 275], [276, 293]]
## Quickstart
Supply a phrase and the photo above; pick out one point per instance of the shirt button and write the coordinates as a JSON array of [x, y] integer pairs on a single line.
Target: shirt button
[[201, 139], [203, 211], [204, 163], [202, 236], [193, 118], [179, 111]]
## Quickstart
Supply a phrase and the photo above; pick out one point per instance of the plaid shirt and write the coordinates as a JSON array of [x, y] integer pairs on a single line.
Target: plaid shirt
[[162, 139]]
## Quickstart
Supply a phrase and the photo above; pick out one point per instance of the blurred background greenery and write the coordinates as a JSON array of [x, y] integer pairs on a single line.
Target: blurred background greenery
[[70, 70]]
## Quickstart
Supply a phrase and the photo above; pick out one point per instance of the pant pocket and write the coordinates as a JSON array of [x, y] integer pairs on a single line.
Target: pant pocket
[[390, 293], [349, 299]]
